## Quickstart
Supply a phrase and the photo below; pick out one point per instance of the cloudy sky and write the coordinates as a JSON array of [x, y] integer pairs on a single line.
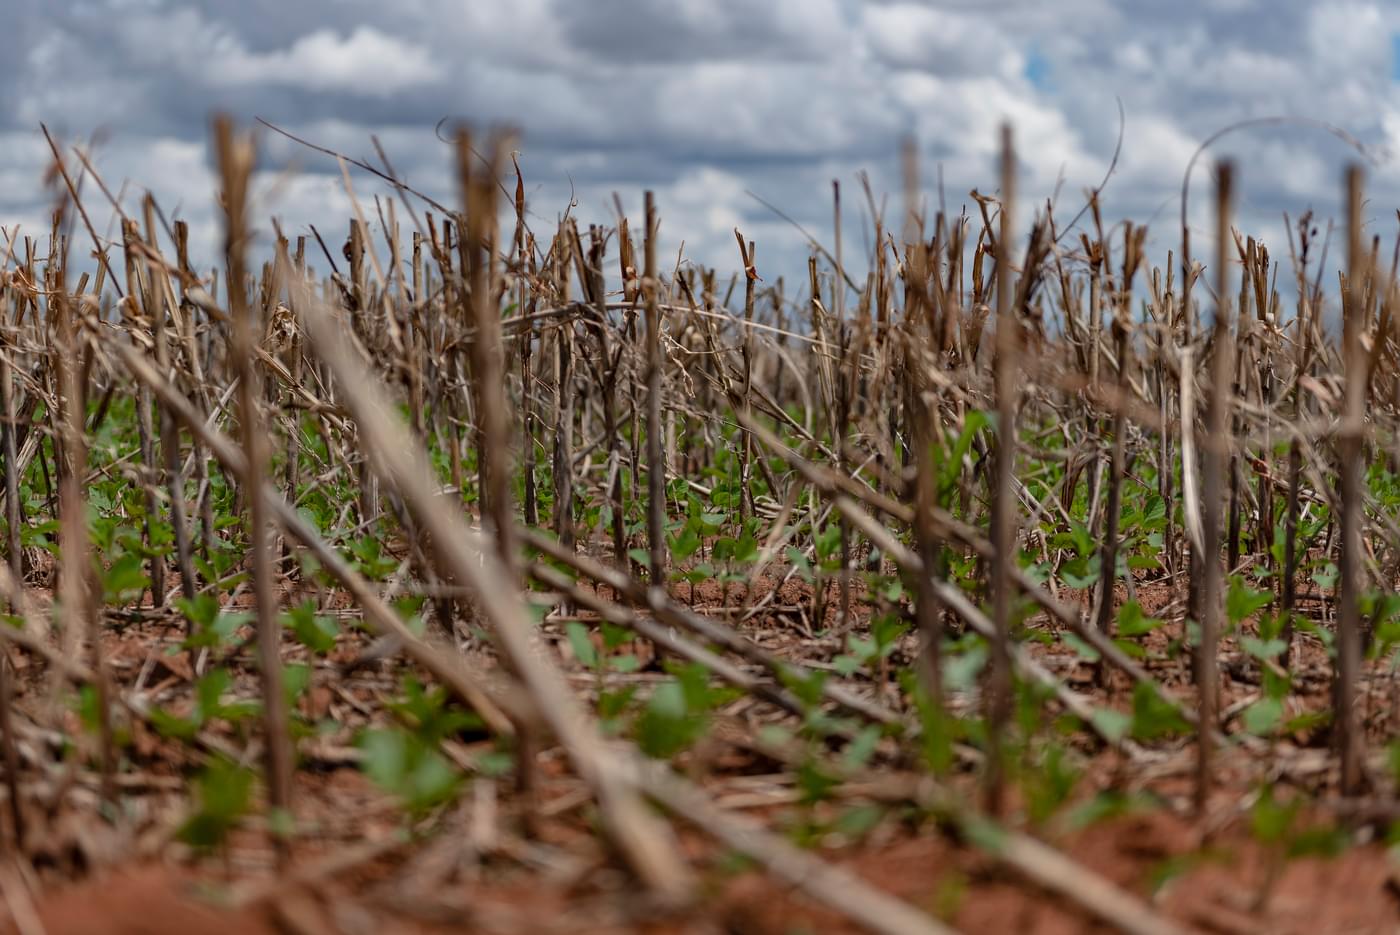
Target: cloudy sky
[[705, 100]]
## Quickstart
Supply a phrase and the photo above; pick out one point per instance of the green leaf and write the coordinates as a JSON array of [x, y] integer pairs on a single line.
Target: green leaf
[[960, 672], [1326, 577], [296, 677], [1081, 573], [1133, 622], [1107, 804], [814, 783], [201, 611], [403, 763], [1050, 786], [984, 833], [579, 641], [611, 704], [316, 632], [1270, 819], [370, 559], [808, 689], [1242, 601], [172, 726], [124, 580], [209, 692], [223, 793], [385, 753], [89, 708], [211, 627], [846, 665], [614, 635], [746, 550], [684, 544], [858, 821], [667, 725], [1113, 725], [1081, 648], [495, 763], [1308, 720], [828, 540], [863, 649], [1130, 648], [1319, 842], [859, 750], [887, 628], [1265, 650], [1263, 716], [1155, 716]]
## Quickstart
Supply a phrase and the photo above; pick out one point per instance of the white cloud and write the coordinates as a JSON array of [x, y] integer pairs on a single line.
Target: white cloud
[[701, 100], [1348, 36], [945, 42], [757, 109], [366, 61]]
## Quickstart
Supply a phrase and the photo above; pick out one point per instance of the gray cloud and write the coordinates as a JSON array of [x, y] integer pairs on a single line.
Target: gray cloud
[[702, 100], [679, 31]]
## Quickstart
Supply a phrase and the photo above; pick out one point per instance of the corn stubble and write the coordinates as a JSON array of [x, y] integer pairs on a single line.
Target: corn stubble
[[959, 447]]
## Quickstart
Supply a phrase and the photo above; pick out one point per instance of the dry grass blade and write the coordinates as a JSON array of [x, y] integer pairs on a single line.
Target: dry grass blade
[[1056, 873]]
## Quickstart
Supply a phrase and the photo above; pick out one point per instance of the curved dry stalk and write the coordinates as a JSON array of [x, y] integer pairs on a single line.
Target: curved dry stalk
[[646, 843], [1190, 473], [832, 886]]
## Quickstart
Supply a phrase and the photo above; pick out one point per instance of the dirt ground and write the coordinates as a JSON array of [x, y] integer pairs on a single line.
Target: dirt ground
[[487, 869], [1216, 891]]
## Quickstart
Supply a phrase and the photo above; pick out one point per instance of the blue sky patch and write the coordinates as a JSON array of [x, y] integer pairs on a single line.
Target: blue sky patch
[[1037, 70]]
